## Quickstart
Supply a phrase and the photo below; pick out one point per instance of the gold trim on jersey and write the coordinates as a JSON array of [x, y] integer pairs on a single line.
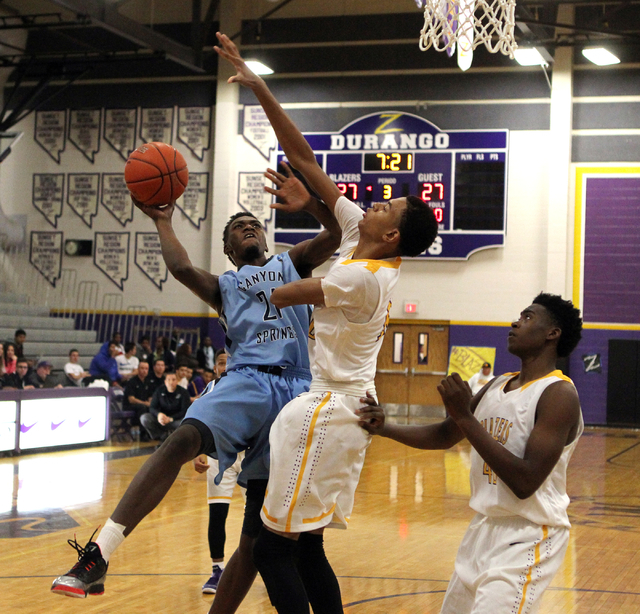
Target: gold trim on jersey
[[375, 265], [556, 373], [536, 561]]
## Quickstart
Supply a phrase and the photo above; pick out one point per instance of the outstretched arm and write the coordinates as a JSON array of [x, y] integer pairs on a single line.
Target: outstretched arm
[[293, 143], [557, 418], [306, 255], [202, 283]]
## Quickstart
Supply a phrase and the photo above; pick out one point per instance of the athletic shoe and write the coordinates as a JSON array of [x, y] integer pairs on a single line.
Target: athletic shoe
[[87, 576], [211, 585]]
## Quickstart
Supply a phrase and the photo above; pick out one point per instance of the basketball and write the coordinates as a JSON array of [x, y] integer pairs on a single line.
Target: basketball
[[156, 174]]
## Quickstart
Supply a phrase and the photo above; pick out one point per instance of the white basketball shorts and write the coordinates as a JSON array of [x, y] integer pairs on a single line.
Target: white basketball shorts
[[222, 493]]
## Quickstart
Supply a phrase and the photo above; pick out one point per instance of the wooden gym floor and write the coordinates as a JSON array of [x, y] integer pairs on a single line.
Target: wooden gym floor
[[410, 514]]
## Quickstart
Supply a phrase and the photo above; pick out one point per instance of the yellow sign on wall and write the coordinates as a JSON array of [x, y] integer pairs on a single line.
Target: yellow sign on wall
[[467, 360]]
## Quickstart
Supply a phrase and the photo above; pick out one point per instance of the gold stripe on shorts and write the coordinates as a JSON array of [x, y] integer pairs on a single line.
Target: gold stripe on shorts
[[545, 534]]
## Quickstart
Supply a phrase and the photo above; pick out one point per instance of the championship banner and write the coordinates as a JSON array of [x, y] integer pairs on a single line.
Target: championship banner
[[194, 129], [50, 132], [148, 257], [467, 360], [120, 130], [252, 197], [45, 254], [116, 198], [157, 125], [257, 130], [194, 202], [84, 131], [47, 195], [82, 195], [111, 255]]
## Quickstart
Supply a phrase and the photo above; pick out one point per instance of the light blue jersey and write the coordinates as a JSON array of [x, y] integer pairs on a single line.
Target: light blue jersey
[[257, 332], [240, 409]]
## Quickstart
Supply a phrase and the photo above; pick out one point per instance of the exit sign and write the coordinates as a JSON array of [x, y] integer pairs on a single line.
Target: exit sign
[[410, 307]]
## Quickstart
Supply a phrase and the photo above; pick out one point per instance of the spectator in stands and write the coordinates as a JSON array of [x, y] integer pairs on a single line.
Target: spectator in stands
[[38, 378], [2, 369], [206, 354], [168, 407], [137, 396], [145, 351], [184, 356], [74, 370], [16, 380], [117, 340], [19, 338], [162, 352], [104, 365], [156, 377], [182, 372], [10, 358], [128, 362], [199, 382]]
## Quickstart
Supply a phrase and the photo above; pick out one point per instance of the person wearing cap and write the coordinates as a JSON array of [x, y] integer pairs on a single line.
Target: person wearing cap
[[481, 378], [38, 377]]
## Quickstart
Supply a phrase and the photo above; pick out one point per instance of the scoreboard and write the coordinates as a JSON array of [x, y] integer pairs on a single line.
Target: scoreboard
[[460, 174]]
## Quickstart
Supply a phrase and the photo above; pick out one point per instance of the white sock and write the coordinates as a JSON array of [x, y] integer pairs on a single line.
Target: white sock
[[111, 536], [220, 564]]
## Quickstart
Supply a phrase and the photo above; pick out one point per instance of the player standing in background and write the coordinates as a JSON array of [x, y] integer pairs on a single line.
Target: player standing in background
[[317, 447], [480, 379], [523, 428], [268, 366]]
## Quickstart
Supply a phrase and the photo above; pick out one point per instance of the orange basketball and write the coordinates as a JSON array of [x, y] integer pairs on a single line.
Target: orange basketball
[[156, 174]]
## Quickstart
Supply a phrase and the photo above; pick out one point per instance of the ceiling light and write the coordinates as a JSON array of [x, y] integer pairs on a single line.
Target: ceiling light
[[600, 56], [258, 67], [529, 57]]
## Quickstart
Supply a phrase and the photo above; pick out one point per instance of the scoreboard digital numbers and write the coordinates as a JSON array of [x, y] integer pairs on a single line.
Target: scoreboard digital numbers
[[461, 175]]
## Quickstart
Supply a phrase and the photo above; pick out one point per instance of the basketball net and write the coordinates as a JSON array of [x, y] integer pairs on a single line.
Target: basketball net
[[469, 23]]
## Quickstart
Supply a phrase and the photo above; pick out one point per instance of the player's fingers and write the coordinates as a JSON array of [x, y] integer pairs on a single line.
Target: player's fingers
[[287, 169]]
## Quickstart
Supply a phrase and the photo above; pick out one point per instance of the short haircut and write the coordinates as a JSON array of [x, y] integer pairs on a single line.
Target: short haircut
[[144, 338], [233, 218], [143, 361], [128, 346], [418, 227], [72, 350], [218, 352], [564, 315], [207, 370], [20, 331], [22, 361]]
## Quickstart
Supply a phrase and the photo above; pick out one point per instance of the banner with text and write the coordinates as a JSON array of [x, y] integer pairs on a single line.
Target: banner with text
[[45, 254], [111, 255], [148, 257]]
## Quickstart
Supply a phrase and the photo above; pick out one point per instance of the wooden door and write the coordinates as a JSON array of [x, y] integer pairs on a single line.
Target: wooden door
[[412, 361]]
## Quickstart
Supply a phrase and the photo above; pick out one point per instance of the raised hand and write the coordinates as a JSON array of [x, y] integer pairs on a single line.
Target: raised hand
[[155, 212], [288, 189], [371, 416], [227, 50]]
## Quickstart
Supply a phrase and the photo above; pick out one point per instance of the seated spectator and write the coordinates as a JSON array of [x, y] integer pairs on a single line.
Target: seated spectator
[[182, 372], [220, 363], [74, 370], [104, 365], [155, 379], [206, 354], [117, 340], [128, 362], [199, 383], [16, 380], [2, 369], [19, 338], [162, 352], [145, 351], [184, 356], [38, 378], [136, 393], [168, 407], [10, 358]]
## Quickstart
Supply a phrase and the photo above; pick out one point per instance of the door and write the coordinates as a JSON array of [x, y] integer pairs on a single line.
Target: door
[[412, 361]]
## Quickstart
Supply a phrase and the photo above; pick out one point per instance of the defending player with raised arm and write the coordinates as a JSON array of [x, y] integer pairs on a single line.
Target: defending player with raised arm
[[317, 447], [523, 428], [268, 366]]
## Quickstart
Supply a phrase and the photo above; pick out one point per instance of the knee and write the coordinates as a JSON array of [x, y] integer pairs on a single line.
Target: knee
[[146, 419]]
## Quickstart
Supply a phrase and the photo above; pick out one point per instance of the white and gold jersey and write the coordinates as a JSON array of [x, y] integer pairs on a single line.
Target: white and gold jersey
[[510, 418], [346, 332]]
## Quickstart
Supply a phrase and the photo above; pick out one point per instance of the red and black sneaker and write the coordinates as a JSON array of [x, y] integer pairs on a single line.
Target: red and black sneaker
[[87, 576]]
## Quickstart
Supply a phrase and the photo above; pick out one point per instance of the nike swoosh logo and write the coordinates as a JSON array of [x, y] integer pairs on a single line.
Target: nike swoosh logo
[[54, 426], [81, 423], [25, 429]]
